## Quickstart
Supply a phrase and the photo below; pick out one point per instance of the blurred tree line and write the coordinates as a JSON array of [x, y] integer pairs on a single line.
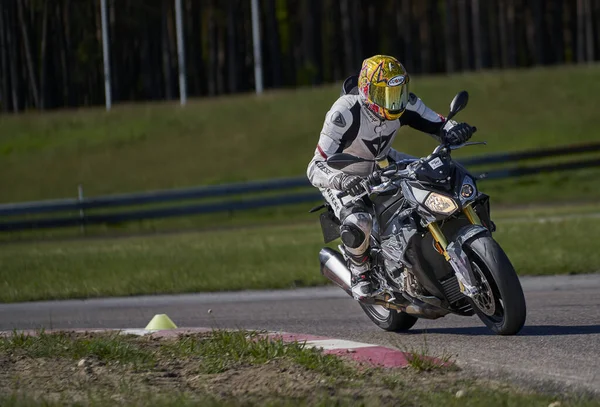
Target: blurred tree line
[[51, 50]]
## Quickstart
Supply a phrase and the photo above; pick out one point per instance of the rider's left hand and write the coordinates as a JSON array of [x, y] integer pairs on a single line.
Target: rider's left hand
[[457, 133]]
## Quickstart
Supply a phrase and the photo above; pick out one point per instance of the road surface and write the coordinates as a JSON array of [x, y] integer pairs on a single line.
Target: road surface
[[558, 349]]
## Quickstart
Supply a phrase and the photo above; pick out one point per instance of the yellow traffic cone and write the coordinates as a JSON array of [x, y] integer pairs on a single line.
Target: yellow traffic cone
[[161, 322]]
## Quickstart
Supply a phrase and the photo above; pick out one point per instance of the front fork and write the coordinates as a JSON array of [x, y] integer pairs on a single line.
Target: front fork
[[454, 255], [441, 243]]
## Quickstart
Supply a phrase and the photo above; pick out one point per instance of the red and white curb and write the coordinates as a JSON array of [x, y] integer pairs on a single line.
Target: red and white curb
[[366, 353]]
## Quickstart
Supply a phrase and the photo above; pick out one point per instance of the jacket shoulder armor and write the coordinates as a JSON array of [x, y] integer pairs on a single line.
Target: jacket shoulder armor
[[342, 115]]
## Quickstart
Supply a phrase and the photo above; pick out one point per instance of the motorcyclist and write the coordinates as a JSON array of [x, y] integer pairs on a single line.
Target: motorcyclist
[[364, 122]]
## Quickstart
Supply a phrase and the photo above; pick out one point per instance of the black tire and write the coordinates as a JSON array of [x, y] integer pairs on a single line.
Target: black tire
[[389, 320], [507, 307]]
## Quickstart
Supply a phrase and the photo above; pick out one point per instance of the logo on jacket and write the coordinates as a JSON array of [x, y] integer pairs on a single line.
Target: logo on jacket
[[338, 119], [377, 145]]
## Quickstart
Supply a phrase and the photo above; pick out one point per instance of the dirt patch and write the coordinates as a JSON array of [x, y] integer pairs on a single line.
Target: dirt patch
[[56, 380], [172, 369]]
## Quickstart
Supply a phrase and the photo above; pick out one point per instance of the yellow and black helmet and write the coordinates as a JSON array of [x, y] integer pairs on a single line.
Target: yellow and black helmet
[[383, 85]]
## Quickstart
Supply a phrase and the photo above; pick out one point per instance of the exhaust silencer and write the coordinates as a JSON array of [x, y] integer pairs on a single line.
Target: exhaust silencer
[[334, 268]]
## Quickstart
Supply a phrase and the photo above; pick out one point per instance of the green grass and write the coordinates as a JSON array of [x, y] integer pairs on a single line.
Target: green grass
[[225, 350], [420, 357], [111, 347], [218, 351], [253, 258], [227, 368], [245, 137]]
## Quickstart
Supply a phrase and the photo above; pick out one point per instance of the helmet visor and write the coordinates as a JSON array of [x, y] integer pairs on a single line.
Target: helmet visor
[[393, 98]]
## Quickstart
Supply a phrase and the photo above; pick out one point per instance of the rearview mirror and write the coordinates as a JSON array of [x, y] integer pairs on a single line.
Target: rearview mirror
[[342, 160], [458, 103]]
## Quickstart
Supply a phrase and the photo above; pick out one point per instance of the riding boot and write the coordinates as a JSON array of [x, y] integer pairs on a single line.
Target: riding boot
[[360, 266]]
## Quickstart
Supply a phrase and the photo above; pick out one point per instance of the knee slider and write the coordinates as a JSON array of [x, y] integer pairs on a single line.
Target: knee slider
[[352, 236], [356, 230]]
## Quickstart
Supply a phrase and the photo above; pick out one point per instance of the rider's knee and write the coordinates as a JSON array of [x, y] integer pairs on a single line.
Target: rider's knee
[[356, 229]]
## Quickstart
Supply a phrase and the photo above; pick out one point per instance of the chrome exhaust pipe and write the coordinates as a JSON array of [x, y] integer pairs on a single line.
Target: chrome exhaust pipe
[[422, 311], [334, 268]]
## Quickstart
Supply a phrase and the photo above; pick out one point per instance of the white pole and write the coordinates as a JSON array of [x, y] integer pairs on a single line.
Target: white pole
[[180, 54], [105, 51], [257, 53]]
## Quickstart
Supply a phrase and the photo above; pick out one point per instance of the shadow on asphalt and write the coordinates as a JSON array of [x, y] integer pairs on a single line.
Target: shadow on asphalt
[[528, 330]]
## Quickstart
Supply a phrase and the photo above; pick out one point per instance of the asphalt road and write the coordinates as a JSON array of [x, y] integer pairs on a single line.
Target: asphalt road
[[559, 348]]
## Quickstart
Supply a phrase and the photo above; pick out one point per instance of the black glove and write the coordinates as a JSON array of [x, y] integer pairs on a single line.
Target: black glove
[[352, 185], [458, 134]]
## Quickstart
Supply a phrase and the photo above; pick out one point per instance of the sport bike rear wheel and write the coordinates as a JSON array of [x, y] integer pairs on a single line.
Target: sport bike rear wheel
[[390, 320], [501, 304]]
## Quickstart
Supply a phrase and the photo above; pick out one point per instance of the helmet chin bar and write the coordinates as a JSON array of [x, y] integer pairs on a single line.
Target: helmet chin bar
[[379, 111], [394, 116]]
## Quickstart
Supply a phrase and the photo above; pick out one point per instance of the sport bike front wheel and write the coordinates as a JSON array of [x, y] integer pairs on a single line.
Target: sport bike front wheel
[[500, 304]]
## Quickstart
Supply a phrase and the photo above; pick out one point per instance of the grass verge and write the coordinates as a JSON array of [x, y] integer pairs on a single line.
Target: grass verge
[[255, 371], [420, 359], [254, 258], [108, 348]]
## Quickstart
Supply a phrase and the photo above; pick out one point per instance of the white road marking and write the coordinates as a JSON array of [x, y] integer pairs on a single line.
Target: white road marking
[[332, 344], [139, 332], [325, 344]]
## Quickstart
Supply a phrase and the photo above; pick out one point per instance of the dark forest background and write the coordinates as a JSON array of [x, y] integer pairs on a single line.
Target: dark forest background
[[51, 51]]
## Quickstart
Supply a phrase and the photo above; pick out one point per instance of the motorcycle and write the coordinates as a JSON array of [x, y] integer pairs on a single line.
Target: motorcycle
[[431, 244]]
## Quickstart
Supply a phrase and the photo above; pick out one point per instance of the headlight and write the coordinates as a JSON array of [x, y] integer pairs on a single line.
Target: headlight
[[440, 204]]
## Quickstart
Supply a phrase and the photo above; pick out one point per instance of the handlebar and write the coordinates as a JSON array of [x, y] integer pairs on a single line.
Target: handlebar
[[375, 178]]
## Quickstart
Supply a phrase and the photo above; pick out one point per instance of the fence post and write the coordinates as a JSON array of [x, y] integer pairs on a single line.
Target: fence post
[[81, 212]]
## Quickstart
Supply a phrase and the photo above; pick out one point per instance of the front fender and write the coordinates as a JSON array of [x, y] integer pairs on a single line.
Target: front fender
[[460, 261], [468, 232]]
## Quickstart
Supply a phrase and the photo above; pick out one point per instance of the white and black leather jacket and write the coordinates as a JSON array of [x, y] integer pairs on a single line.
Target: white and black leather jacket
[[350, 127]]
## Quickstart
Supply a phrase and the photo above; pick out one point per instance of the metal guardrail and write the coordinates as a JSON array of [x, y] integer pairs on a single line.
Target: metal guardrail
[[255, 187], [151, 197]]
